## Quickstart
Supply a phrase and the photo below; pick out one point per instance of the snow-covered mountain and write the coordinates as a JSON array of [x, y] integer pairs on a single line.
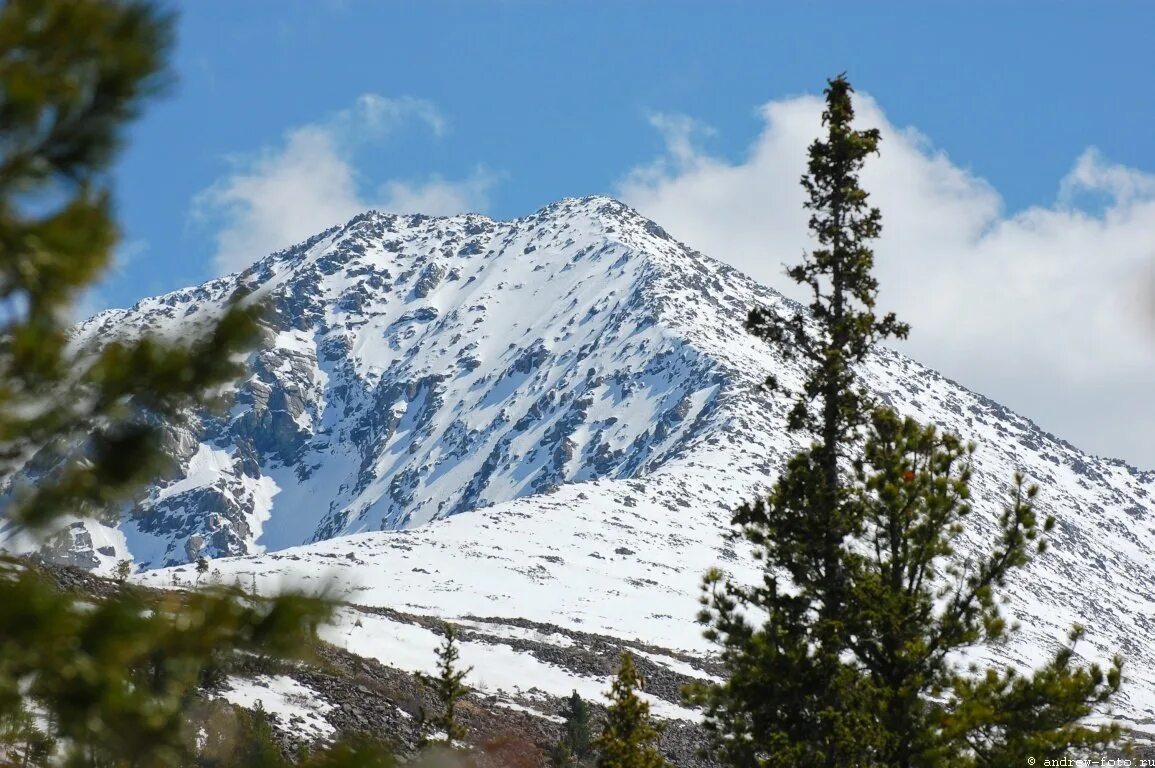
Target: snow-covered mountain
[[571, 399], [417, 368]]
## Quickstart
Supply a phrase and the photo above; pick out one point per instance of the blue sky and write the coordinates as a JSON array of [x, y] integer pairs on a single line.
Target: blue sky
[[288, 113]]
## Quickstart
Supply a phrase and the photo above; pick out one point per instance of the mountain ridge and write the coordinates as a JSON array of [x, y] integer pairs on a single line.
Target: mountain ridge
[[106, 317], [552, 419], [330, 253], [392, 273]]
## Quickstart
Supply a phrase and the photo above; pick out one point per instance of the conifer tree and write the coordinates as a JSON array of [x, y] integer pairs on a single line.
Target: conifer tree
[[864, 596], [629, 737], [258, 745], [802, 527], [449, 688], [123, 570], [110, 679], [577, 734], [22, 742], [562, 755]]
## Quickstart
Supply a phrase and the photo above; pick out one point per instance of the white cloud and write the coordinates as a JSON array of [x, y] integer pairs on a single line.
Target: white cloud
[[1050, 310], [1092, 174], [373, 116], [285, 194], [437, 196]]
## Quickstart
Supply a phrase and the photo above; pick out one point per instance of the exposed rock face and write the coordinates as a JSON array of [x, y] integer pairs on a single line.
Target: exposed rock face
[[72, 547], [415, 368], [581, 385]]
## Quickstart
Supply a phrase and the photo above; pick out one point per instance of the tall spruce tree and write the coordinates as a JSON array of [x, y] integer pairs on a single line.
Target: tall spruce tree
[[802, 527], [864, 597], [110, 679], [629, 737]]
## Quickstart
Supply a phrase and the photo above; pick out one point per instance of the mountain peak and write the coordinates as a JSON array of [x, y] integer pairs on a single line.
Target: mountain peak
[[606, 208], [415, 368], [570, 392]]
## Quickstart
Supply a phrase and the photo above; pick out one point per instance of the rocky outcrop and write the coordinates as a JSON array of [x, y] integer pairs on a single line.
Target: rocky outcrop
[[415, 368], [588, 381]]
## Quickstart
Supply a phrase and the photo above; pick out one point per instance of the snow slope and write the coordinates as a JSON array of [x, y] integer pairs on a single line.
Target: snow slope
[[551, 419], [418, 368]]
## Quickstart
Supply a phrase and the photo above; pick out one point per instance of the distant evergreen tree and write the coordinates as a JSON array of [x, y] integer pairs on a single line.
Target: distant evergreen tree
[[629, 738], [562, 756], [864, 597], [110, 679], [259, 745], [577, 734], [449, 687], [123, 570]]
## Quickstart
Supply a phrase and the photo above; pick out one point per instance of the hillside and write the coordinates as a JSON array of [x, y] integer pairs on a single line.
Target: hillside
[[549, 420]]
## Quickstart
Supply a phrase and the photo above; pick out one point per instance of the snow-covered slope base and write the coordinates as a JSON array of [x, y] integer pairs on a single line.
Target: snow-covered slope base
[[608, 559], [571, 399]]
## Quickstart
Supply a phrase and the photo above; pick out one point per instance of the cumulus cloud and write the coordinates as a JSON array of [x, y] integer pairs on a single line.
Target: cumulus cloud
[[1050, 310], [286, 193], [437, 196], [373, 116]]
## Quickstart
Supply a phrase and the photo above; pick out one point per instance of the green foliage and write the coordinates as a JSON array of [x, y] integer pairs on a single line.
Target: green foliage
[[256, 744], [914, 602], [818, 713], [864, 598], [123, 570], [222, 729], [449, 688], [112, 679], [1006, 718], [576, 733], [71, 75], [842, 326], [20, 738], [562, 755], [629, 738], [115, 676]]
